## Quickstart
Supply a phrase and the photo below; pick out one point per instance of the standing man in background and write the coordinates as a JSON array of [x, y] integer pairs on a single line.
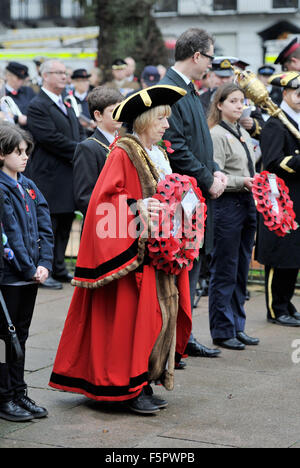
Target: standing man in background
[[191, 141], [56, 132]]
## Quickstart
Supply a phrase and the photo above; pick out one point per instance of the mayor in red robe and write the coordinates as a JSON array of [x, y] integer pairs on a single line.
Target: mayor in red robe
[[127, 322]]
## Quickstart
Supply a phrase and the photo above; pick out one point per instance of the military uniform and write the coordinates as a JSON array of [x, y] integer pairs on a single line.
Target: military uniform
[[281, 256]]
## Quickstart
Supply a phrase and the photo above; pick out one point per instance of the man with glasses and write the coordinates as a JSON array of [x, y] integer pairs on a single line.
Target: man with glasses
[[56, 132], [191, 141]]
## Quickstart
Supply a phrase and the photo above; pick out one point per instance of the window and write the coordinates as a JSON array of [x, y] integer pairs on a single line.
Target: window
[[51, 9], [5, 10], [220, 5], [285, 3], [166, 6]]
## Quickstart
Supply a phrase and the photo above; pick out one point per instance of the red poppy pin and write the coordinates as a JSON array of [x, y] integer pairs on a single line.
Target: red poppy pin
[[166, 145], [31, 193]]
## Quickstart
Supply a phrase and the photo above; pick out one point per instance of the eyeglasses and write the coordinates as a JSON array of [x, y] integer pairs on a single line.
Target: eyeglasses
[[210, 57], [58, 72]]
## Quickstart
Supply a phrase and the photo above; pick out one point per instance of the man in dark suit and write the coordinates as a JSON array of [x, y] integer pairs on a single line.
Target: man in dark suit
[[15, 76], [91, 154], [56, 132], [191, 140]]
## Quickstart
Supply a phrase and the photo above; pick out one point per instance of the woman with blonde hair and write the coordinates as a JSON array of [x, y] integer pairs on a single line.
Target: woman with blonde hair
[[234, 221], [126, 319]]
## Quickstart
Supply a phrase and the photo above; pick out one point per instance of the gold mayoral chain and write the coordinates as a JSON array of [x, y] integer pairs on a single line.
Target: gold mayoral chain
[[256, 91]]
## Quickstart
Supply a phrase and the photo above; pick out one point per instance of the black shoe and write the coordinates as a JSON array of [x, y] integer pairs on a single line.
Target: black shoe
[[285, 321], [51, 283], [67, 278], [230, 343], [159, 402], [143, 404], [196, 349], [293, 311], [247, 340], [180, 365], [29, 405], [12, 412]]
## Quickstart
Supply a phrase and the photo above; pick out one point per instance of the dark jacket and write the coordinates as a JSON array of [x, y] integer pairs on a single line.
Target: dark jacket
[[56, 136], [192, 144], [23, 97], [27, 225], [89, 159], [1, 240], [280, 155]]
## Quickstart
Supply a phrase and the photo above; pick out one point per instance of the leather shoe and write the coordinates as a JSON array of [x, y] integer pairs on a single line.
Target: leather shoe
[[196, 349], [30, 406], [293, 311], [180, 365], [247, 340], [51, 283], [67, 278], [230, 343], [285, 321], [12, 412], [159, 402], [143, 404]]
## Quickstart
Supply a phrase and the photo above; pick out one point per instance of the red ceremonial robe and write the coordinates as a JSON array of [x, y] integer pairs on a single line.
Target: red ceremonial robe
[[115, 317]]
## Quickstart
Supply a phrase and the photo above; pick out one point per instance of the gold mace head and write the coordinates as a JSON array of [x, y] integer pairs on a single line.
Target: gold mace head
[[254, 89]]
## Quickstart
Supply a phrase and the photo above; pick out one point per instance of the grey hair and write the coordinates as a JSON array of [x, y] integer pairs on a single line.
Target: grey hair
[[47, 65]]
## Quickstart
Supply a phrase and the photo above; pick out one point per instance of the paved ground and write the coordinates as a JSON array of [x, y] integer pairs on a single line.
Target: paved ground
[[242, 399]]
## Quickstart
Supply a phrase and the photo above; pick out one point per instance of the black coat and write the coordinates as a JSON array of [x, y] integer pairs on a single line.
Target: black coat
[[1, 242], [191, 141], [23, 97], [89, 159], [280, 155], [51, 166]]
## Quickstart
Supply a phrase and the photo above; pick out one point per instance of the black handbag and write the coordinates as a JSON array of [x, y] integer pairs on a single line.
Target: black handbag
[[13, 350]]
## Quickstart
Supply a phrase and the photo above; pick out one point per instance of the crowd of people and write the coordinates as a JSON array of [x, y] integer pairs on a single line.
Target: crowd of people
[[69, 143]]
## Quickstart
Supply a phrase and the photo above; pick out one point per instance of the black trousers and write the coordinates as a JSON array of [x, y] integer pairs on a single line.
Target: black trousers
[[20, 301], [61, 226], [280, 286], [234, 231]]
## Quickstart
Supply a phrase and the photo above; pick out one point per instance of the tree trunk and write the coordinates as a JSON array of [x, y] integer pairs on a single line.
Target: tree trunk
[[128, 29]]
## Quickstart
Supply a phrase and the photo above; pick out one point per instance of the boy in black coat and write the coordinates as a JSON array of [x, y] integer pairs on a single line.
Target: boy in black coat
[[91, 154]]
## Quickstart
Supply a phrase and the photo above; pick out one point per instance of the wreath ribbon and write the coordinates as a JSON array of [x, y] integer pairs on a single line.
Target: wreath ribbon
[[280, 220]]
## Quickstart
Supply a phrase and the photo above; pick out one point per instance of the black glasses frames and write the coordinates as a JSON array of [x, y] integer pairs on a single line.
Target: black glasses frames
[[211, 57]]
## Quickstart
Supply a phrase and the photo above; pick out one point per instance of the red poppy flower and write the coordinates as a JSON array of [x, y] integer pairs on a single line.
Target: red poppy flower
[[32, 194], [174, 242], [280, 220]]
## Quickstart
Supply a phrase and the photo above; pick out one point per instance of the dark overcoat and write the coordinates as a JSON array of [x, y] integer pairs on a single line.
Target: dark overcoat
[[51, 166], [191, 141], [281, 155]]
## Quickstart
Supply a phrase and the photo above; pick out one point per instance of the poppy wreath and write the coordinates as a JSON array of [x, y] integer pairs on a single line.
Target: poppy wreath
[[280, 223], [172, 246]]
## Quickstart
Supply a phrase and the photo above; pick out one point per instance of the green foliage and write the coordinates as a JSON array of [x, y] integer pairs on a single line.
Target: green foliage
[[126, 29]]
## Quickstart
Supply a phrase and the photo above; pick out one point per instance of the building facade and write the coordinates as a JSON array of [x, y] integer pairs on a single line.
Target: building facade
[[236, 24]]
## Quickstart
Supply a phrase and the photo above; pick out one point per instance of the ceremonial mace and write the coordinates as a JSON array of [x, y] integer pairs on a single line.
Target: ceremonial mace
[[256, 91]]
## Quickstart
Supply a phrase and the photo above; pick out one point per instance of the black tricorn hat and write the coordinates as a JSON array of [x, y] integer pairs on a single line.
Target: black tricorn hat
[[287, 51], [18, 69], [287, 80], [80, 73], [146, 99]]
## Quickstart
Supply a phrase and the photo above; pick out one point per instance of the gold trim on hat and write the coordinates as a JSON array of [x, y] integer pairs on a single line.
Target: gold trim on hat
[[225, 64], [145, 96]]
